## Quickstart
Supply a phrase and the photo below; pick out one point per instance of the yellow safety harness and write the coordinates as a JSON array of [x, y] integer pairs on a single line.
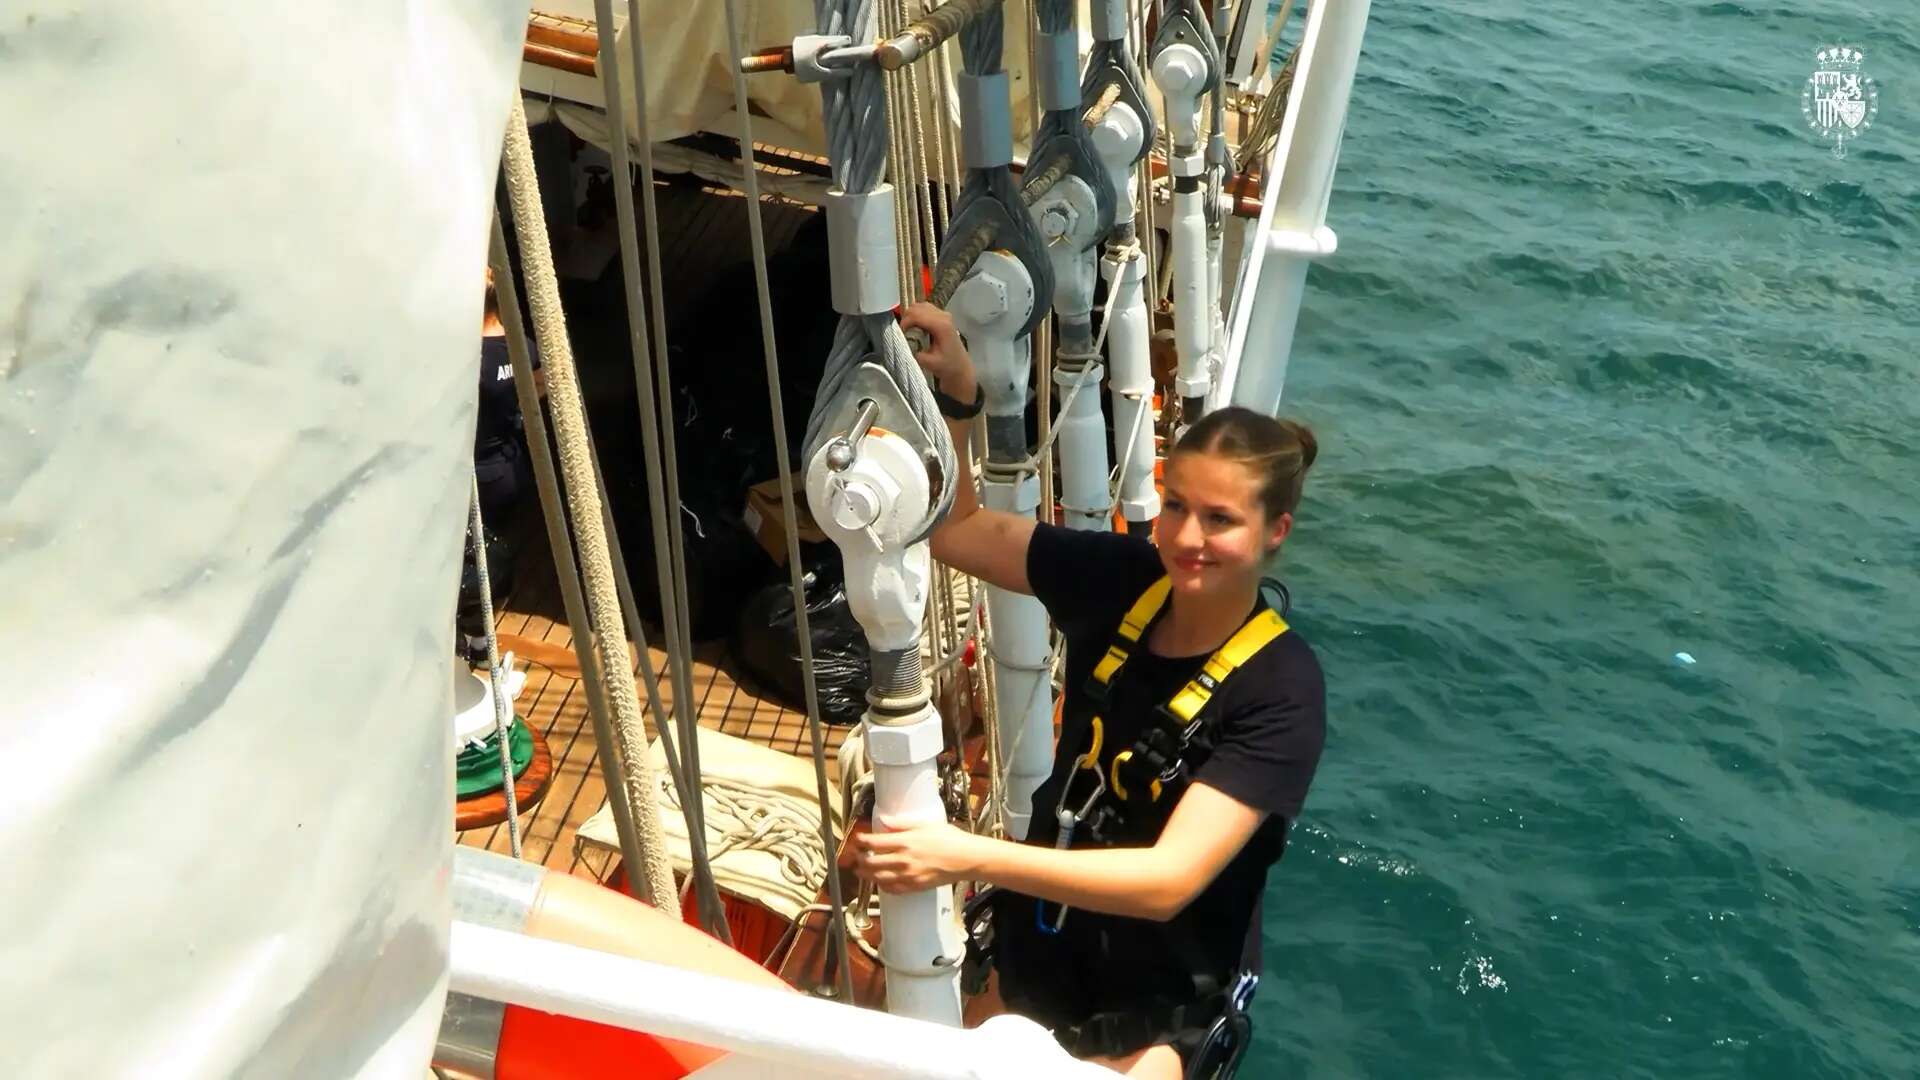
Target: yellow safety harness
[[1161, 748], [1140, 775]]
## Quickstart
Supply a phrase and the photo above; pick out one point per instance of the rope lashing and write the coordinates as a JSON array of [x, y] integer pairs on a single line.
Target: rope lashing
[[932, 30], [1264, 130]]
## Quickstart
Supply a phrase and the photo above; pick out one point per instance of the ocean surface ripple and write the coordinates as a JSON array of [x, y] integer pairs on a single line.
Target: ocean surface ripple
[[1612, 557]]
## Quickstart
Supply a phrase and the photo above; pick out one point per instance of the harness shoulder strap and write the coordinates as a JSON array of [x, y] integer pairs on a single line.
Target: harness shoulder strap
[[1258, 632], [1134, 624], [1158, 754]]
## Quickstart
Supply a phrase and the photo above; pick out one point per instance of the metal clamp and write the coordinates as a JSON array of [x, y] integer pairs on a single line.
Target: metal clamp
[[862, 251], [811, 58]]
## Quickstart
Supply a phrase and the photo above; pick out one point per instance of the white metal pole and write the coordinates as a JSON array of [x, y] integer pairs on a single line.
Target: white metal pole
[[1181, 72], [868, 494], [1023, 697], [1117, 139], [989, 309], [1131, 385], [1084, 497]]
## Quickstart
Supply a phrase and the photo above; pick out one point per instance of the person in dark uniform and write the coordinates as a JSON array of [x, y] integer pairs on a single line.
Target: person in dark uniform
[[501, 468], [1193, 723]]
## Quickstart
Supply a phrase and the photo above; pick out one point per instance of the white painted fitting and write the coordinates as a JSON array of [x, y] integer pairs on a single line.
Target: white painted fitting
[[1056, 72], [869, 509], [1180, 71], [921, 938], [1083, 441], [1073, 278], [1117, 139], [862, 251], [886, 577], [791, 1035], [1192, 299], [1131, 384], [1194, 164], [806, 57], [1023, 699], [989, 309], [986, 120], [1083, 448], [1068, 216]]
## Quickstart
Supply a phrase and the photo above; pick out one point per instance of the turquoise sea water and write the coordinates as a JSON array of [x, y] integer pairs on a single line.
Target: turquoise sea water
[[1614, 363]]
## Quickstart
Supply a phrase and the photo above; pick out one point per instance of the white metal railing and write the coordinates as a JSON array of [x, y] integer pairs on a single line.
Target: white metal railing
[[769, 1032], [1292, 232]]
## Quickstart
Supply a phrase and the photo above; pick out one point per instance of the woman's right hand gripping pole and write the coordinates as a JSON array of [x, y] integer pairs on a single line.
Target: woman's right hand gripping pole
[[988, 544]]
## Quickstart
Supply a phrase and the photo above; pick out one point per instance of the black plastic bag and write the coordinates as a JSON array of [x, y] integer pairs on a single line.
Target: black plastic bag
[[766, 645]]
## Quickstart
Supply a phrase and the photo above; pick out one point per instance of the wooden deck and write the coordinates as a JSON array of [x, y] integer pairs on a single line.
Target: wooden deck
[[704, 231], [554, 703]]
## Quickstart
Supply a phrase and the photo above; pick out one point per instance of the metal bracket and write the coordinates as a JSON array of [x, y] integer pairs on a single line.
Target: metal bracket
[[1131, 94], [811, 58], [1182, 27], [984, 215], [1081, 162]]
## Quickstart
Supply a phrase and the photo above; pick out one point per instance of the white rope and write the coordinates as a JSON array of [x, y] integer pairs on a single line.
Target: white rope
[[583, 500], [993, 819], [776, 404], [1033, 461], [742, 817], [546, 482]]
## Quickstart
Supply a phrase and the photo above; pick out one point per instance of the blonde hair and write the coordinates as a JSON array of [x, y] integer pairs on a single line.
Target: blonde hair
[[1280, 451]]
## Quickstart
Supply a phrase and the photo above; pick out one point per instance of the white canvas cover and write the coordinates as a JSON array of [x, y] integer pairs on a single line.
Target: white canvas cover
[[690, 74], [241, 245]]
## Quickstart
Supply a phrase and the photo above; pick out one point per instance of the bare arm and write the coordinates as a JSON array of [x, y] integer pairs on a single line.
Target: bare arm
[[1207, 829], [987, 544]]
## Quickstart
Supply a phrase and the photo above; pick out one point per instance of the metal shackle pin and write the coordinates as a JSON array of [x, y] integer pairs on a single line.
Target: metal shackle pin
[[843, 452]]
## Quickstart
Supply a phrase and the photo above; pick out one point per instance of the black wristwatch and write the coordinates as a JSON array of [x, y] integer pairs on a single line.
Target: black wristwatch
[[953, 408]]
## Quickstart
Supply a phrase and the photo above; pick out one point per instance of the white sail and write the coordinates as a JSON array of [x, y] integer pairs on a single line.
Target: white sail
[[240, 270]]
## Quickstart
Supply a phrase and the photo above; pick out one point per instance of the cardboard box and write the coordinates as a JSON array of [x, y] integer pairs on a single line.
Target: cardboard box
[[764, 518]]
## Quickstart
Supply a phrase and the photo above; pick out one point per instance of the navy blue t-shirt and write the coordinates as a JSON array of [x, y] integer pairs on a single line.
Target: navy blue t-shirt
[[1269, 719]]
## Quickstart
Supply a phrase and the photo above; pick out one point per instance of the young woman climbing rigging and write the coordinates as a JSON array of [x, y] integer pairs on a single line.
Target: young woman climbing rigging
[[1193, 722]]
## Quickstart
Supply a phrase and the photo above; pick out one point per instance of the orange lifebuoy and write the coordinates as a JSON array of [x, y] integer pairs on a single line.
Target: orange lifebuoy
[[535, 1045], [541, 1046]]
